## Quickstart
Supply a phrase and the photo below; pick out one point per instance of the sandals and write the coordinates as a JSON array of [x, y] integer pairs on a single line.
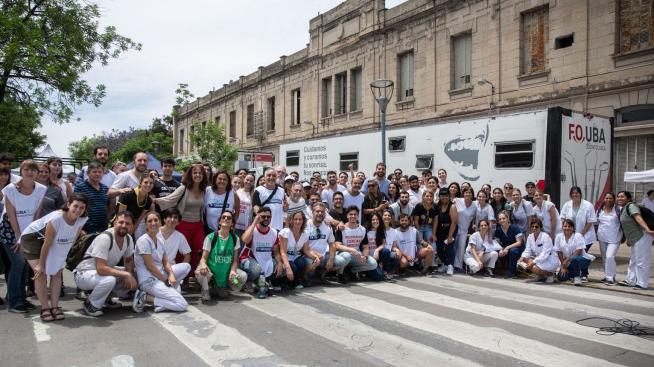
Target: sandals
[[57, 313], [46, 315]]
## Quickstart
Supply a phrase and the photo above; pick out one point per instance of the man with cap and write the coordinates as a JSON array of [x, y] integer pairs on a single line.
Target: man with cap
[[288, 184]]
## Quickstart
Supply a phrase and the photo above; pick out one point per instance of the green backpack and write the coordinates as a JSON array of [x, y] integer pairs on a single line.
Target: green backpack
[[221, 257]]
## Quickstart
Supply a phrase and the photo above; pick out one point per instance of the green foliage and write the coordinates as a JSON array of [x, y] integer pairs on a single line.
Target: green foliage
[[210, 143], [143, 141], [46, 47], [19, 133], [82, 149]]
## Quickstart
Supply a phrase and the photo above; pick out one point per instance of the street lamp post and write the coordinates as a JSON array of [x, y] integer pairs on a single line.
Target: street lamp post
[[382, 91], [484, 81]]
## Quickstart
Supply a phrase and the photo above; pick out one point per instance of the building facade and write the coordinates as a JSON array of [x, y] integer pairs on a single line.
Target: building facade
[[591, 56]]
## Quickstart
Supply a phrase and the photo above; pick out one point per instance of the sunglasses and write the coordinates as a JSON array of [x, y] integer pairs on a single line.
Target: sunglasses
[[265, 216], [226, 217]]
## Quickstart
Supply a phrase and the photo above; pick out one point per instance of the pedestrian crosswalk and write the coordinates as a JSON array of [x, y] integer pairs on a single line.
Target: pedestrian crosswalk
[[419, 321]]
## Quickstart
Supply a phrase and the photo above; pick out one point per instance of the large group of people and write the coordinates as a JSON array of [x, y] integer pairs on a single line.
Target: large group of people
[[142, 236]]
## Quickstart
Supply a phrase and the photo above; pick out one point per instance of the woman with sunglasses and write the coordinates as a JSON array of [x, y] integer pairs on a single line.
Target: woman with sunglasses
[[480, 252], [219, 260], [158, 279], [539, 255], [574, 260], [582, 212]]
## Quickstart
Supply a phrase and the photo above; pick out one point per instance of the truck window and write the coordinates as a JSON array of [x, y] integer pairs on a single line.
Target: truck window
[[424, 161], [292, 158], [515, 154], [346, 159]]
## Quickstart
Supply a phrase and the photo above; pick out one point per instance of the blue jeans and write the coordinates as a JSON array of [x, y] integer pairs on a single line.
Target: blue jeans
[[369, 264], [446, 253], [339, 262], [297, 266], [388, 263], [578, 268], [17, 279]]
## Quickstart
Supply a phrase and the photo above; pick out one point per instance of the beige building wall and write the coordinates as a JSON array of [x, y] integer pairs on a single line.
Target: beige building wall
[[595, 74]]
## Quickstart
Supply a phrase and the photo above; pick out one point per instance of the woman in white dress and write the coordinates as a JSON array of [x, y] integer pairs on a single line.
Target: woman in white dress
[[481, 252], [47, 257], [582, 212], [539, 255], [546, 211], [609, 234], [466, 210]]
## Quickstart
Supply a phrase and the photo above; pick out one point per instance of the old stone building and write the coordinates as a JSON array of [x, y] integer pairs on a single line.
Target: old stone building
[[594, 56]]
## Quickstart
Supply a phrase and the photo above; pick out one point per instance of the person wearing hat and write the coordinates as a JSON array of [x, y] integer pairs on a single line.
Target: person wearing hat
[[288, 184], [307, 189]]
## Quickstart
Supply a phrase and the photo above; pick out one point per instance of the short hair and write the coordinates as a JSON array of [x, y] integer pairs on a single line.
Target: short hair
[[331, 173], [126, 214], [28, 164], [337, 193], [380, 164], [413, 178], [170, 212], [627, 194], [577, 189], [650, 192], [94, 165], [318, 203], [98, 147], [5, 171], [404, 192], [137, 153], [426, 171], [352, 208], [7, 157], [214, 186], [168, 160], [77, 196], [537, 220], [569, 222], [265, 209], [404, 215]]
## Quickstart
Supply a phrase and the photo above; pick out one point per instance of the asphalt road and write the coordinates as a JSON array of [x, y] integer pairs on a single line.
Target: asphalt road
[[419, 321]]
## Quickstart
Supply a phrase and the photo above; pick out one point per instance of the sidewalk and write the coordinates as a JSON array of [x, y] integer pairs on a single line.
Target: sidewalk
[[596, 272]]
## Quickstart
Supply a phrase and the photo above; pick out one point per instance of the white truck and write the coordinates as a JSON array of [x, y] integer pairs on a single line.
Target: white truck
[[555, 147]]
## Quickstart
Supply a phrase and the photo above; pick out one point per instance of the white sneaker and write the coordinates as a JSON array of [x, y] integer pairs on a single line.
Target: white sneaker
[[139, 301], [584, 279], [442, 268], [206, 296], [577, 281], [550, 279], [450, 270]]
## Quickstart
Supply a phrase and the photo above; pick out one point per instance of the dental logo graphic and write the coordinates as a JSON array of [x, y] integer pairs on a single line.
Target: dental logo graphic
[[463, 151]]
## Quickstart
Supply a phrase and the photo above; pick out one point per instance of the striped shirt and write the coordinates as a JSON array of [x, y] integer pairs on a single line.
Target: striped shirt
[[97, 207]]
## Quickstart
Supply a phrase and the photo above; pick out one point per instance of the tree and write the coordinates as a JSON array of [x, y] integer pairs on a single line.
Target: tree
[[19, 133], [210, 143], [46, 46]]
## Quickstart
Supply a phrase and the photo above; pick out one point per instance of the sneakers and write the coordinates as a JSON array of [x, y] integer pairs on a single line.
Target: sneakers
[[488, 272], [81, 295], [535, 279], [18, 309], [277, 288], [139, 301], [206, 296], [110, 303], [625, 283], [450, 270], [249, 287], [299, 286], [639, 288], [442, 268], [584, 279], [29, 305], [223, 293], [609, 282], [549, 279], [577, 281], [90, 310], [341, 278]]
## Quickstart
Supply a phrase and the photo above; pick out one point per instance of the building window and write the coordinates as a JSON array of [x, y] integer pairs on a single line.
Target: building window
[[292, 158], [250, 120], [424, 161], [191, 133], [181, 141], [326, 97], [461, 60], [232, 124], [534, 40], [405, 76], [515, 154], [397, 144], [636, 30], [216, 120], [356, 103], [340, 102], [270, 114], [295, 107], [204, 125], [347, 159], [640, 114]]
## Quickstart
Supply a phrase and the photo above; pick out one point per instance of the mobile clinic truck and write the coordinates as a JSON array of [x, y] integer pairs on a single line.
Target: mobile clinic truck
[[555, 147]]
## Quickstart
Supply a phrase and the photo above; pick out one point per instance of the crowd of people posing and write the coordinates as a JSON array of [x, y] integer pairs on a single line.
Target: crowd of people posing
[[147, 238]]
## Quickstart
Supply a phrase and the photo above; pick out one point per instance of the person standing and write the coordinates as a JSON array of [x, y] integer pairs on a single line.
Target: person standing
[[465, 215], [380, 177], [354, 196], [244, 217], [375, 201], [402, 206], [332, 187], [582, 212], [138, 202], [609, 234], [101, 155], [546, 211], [56, 176], [446, 232], [97, 195], [128, 180], [639, 238], [218, 198], [166, 184], [648, 200], [271, 195]]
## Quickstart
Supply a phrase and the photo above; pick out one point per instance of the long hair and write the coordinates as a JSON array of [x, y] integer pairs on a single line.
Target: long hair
[[380, 233], [56, 159], [187, 178]]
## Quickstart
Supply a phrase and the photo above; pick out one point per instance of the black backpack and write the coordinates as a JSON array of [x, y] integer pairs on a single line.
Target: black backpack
[[77, 252], [648, 215]]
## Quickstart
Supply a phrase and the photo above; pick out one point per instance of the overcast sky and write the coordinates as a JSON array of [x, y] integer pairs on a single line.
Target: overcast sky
[[203, 43]]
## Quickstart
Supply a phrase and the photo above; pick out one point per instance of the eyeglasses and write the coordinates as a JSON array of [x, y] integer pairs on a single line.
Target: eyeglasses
[[226, 217], [508, 187], [535, 226]]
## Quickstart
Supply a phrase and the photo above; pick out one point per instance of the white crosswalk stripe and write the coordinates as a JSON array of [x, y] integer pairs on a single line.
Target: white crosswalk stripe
[[525, 318]]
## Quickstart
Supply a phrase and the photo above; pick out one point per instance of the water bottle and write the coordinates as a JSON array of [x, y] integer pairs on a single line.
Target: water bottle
[[263, 288]]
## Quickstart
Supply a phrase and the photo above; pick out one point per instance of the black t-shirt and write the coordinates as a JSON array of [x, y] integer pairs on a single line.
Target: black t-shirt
[[529, 198], [425, 216], [129, 200], [342, 217], [164, 188], [370, 202]]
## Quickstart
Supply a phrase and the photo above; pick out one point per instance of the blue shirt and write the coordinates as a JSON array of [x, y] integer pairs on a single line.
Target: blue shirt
[[511, 235], [97, 207]]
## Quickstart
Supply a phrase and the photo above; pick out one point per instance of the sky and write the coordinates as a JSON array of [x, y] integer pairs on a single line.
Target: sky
[[204, 43]]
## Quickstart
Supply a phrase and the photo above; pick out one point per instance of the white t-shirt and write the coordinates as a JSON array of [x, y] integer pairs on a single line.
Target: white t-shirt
[[146, 246], [25, 205], [245, 210], [352, 237], [175, 243], [415, 197], [585, 214], [319, 242], [125, 179], [406, 241], [391, 237], [327, 195], [99, 248], [262, 247], [276, 204], [293, 247], [609, 229], [356, 200], [213, 206], [568, 248], [65, 236]]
